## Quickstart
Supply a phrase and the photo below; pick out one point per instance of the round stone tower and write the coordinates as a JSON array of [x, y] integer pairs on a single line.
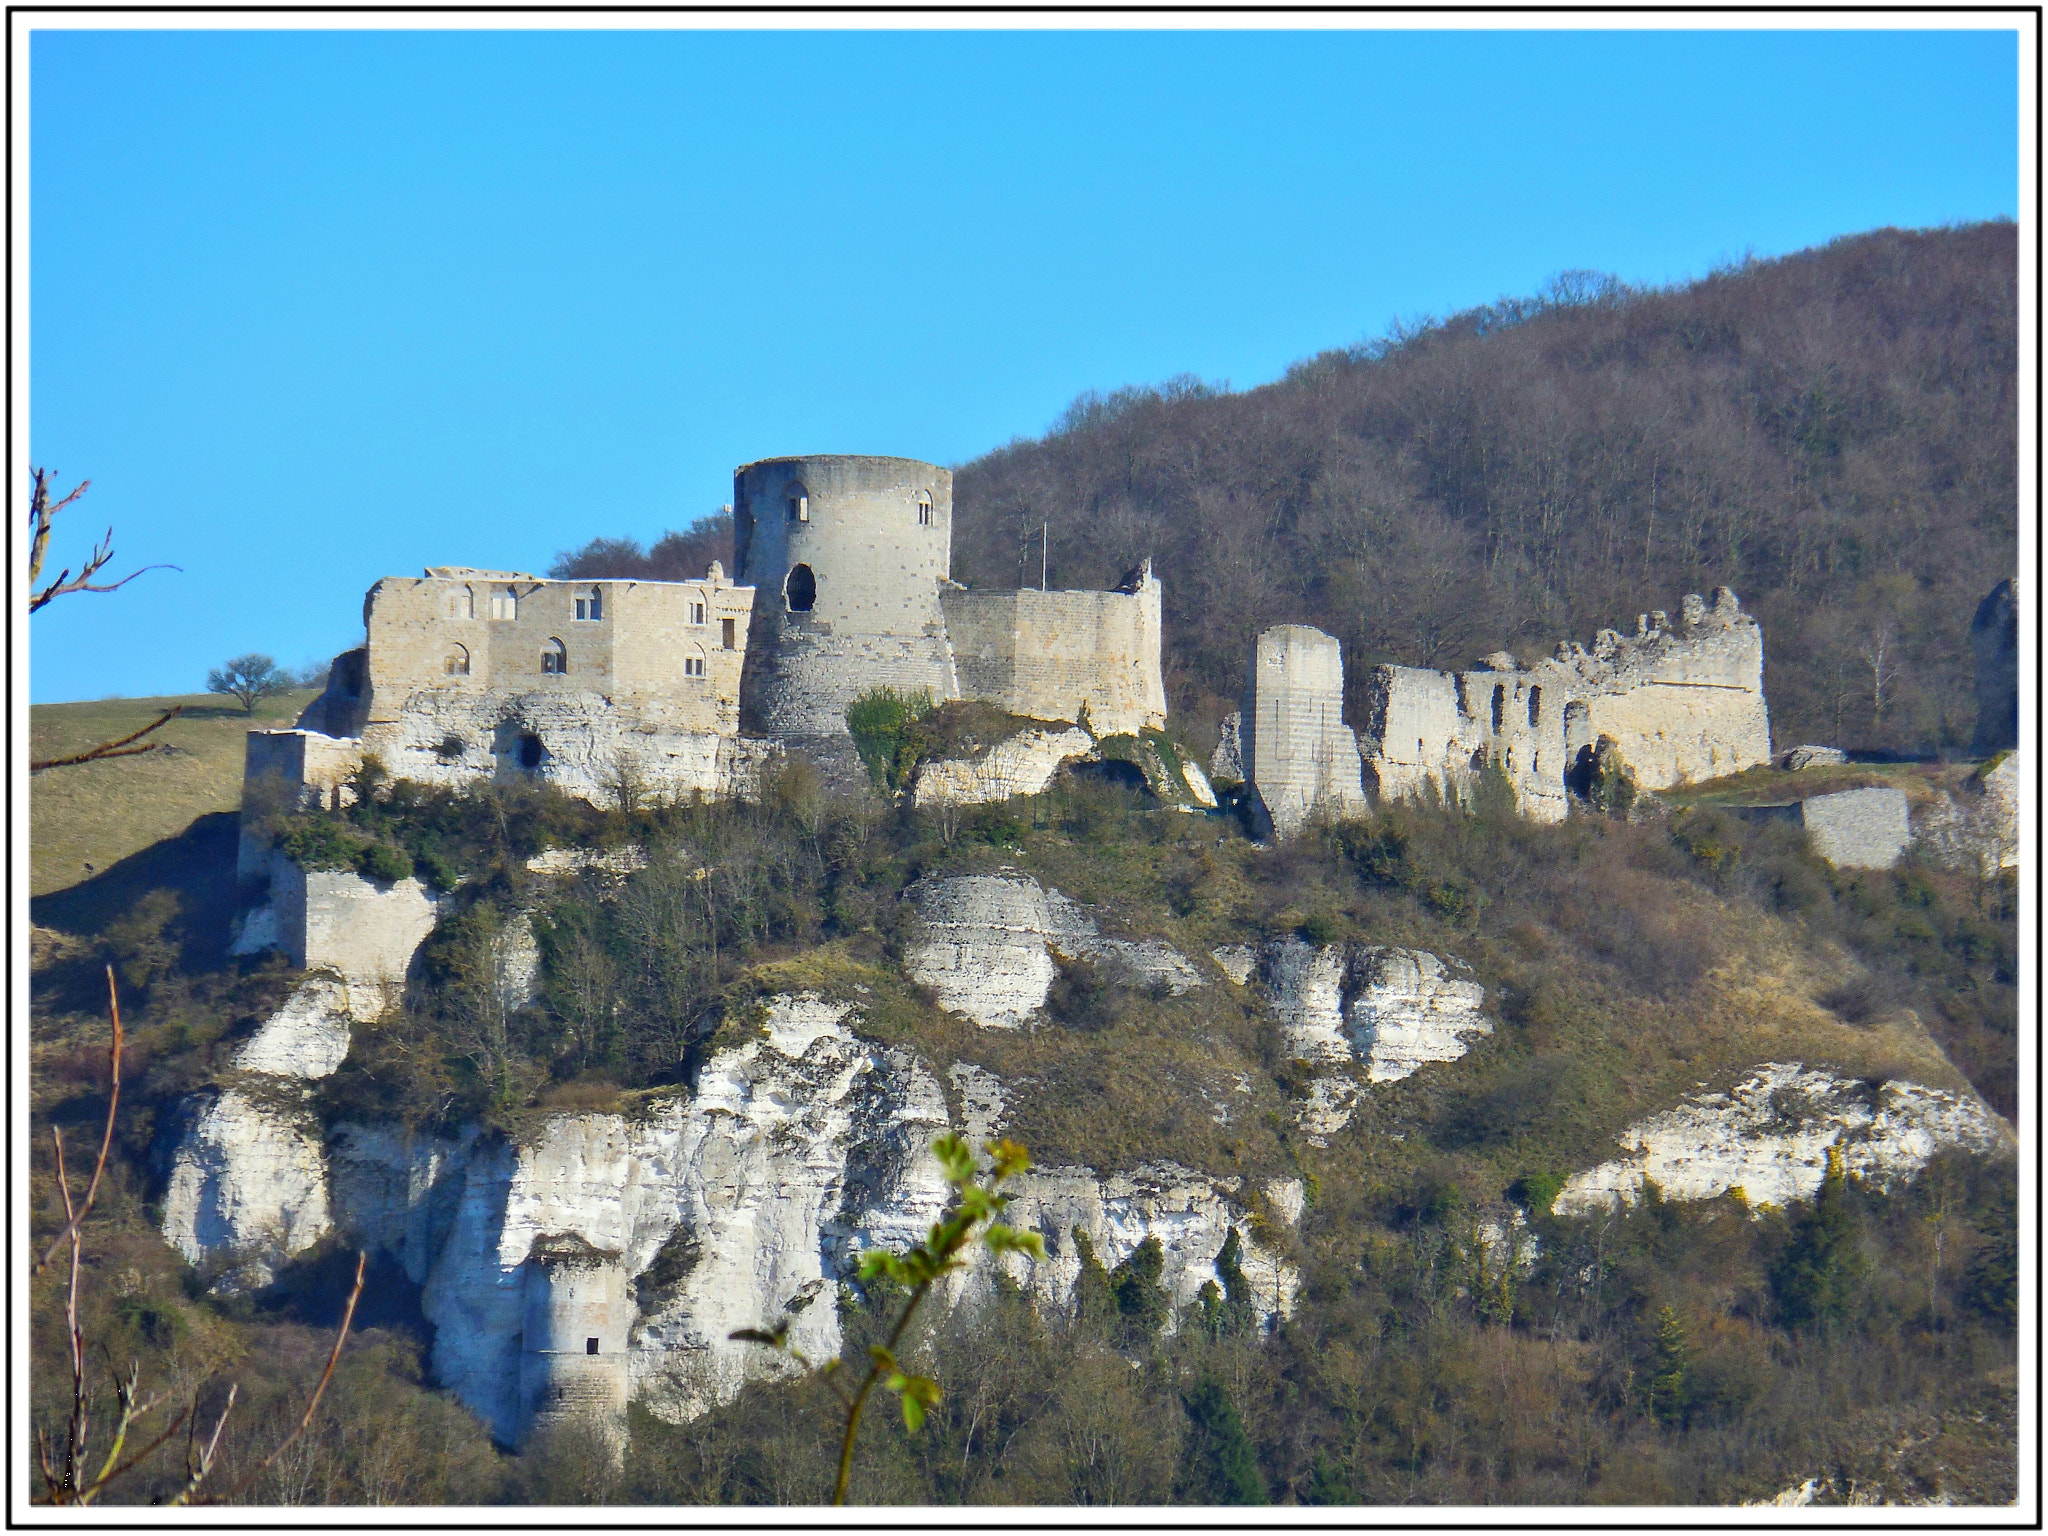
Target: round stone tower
[[846, 554]]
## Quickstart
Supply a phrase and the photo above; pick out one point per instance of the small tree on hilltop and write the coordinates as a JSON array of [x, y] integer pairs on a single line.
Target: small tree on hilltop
[[249, 678]]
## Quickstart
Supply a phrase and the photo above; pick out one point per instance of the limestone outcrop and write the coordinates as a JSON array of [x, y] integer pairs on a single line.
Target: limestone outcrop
[[1386, 1010], [248, 1184], [1023, 764], [987, 947], [1769, 1137], [655, 1235], [1975, 826]]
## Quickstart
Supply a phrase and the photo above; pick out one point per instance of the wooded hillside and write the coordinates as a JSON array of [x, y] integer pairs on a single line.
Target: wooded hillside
[[1832, 434]]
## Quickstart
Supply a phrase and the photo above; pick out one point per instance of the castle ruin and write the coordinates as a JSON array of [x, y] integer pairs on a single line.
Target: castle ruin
[[1681, 702], [611, 687]]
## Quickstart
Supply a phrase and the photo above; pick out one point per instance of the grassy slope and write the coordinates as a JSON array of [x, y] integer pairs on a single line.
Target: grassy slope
[[84, 820]]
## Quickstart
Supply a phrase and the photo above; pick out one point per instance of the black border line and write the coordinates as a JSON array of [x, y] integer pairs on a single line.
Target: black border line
[[936, 1517]]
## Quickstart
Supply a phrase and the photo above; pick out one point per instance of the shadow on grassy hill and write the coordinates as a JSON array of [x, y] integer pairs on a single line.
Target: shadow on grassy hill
[[196, 869]]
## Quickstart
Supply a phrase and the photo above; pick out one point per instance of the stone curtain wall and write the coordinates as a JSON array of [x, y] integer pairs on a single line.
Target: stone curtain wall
[[1046, 655], [1298, 753]]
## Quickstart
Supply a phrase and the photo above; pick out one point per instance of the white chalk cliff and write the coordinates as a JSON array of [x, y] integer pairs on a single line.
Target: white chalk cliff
[[1023, 764], [987, 947], [1389, 1011], [1769, 1137], [744, 1203]]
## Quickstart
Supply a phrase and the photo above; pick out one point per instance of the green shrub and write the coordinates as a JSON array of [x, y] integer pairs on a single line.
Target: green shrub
[[881, 722], [381, 861]]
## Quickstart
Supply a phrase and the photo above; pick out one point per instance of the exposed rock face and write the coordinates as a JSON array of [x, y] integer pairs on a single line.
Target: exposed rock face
[[1299, 755], [1812, 757], [308, 1037], [1769, 1137], [1391, 1011], [657, 1236], [1995, 645], [1977, 826], [248, 1186], [1410, 1011], [1394, 1010], [989, 940], [1226, 763], [1024, 764]]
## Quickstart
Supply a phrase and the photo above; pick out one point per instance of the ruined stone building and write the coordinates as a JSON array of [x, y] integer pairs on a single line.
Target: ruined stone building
[[1682, 702], [843, 586]]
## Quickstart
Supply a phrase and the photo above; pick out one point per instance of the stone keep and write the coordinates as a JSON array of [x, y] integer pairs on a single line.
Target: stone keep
[[1299, 756], [849, 553]]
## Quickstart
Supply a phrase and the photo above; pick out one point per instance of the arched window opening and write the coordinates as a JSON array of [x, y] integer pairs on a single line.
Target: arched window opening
[[799, 504], [1500, 706], [458, 661], [590, 607], [459, 603], [554, 658], [801, 590], [693, 662], [1535, 704], [504, 603], [924, 509], [697, 608]]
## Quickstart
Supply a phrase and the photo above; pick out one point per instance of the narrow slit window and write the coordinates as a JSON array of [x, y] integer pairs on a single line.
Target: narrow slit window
[[1500, 706], [924, 509], [1535, 705], [799, 504], [726, 630]]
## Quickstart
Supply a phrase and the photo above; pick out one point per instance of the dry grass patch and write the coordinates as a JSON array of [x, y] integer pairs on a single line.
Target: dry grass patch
[[84, 820]]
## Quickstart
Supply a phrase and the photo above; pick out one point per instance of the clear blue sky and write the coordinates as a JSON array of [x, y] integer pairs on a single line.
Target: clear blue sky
[[314, 308]]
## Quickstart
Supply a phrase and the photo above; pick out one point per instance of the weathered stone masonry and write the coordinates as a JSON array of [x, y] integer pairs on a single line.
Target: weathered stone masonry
[[595, 686]]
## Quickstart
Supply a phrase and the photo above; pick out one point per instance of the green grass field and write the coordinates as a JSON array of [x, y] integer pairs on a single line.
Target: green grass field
[[85, 820]]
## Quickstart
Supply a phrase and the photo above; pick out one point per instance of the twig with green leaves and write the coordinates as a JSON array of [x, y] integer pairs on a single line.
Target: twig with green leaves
[[974, 1204]]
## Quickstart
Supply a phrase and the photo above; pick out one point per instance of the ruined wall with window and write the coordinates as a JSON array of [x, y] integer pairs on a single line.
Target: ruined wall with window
[[1682, 701], [601, 687]]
